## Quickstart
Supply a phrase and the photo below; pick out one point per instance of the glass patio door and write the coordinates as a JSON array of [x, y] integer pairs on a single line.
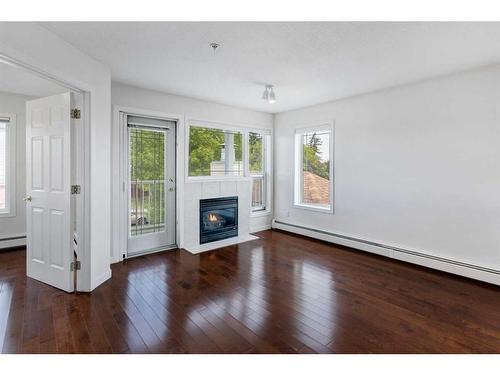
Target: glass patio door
[[151, 188]]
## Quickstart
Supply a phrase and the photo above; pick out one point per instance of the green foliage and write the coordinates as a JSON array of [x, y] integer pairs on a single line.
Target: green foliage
[[147, 154], [238, 146], [205, 146], [311, 158], [255, 153], [147, 163]]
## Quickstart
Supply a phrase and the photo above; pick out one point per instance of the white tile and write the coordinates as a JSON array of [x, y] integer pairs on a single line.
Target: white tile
[[228, 188], [195, 249], [210, 190], [192, 190]]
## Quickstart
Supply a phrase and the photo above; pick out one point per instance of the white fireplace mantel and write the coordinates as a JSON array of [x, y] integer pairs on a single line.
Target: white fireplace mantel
[[204, 189]]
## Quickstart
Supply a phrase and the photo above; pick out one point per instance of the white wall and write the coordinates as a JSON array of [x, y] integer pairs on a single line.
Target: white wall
[[42, 49], [16, 226], [416, 167], [129, 96]]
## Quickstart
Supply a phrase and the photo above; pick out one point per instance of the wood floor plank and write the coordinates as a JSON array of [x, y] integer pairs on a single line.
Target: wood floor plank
[[281, 293]]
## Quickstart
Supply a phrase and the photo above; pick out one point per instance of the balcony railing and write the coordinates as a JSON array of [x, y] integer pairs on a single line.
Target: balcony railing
[[258, 193], [147, 206]]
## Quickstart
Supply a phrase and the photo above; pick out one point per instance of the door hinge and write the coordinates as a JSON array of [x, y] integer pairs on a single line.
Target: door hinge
[[75, 189], [75, 113], [76, 265]]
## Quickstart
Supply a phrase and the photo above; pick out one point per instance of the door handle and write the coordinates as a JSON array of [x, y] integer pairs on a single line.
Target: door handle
[[171, 189], [27, 198]]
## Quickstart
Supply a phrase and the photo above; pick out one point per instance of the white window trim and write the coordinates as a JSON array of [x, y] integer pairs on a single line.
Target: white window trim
[[325, 126], [219, 126], [244, 129], [267, 143], [10, 167]]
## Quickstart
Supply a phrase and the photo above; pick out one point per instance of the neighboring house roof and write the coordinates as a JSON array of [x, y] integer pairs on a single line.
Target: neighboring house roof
[[316, 189]]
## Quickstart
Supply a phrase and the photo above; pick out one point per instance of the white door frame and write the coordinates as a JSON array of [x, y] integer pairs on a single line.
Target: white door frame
[[120, 127], [82, 153]]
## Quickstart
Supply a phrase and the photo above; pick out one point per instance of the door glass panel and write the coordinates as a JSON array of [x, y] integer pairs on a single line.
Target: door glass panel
[[147, 181]]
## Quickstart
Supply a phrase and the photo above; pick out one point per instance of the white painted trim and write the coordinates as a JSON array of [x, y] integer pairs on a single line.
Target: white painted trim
[[260, 228], [119, 205], [297, 154], [84, 281], [224, 125], [10, 166], [12, 243], [4, 236], [321, 126], [446, 265], [82, 147], [12, 240], [268, 142], [260, 213], [244, 129], [96, 281], [6, 59], [198, 179], [212, 125], [196, 249]]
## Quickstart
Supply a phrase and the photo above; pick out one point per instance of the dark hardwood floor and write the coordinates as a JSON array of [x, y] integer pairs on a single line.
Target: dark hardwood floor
[[279, 294]]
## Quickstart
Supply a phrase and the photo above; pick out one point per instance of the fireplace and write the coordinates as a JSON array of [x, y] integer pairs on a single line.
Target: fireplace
[[218, 219]]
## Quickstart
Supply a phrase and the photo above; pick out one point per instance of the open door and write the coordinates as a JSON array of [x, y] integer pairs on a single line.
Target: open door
[[50, 222]]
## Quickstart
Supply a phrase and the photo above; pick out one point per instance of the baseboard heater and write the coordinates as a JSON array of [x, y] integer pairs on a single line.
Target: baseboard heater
[[12, 242], [12, 238], [393, 248]]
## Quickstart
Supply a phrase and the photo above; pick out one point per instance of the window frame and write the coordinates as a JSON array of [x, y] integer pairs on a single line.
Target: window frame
[[218, 126], [10, 166], [244, 129], [266, 134], [298, 172]]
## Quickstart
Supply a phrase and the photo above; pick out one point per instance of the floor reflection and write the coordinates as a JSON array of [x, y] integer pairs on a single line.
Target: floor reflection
[[279, 294]]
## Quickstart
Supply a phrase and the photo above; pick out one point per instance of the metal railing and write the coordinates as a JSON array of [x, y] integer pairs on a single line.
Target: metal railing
[[258, 193], [147, 206]]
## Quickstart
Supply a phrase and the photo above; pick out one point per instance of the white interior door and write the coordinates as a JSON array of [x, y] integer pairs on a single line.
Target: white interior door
[[48, 191], [151, 184]]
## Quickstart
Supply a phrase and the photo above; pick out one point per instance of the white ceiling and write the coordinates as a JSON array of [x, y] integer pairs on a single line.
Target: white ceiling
[[309, 63], [19, 81]]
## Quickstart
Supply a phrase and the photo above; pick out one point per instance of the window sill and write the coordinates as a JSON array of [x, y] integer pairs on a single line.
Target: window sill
[[260, 213], [7, 214], [324, 210], [216, 179]]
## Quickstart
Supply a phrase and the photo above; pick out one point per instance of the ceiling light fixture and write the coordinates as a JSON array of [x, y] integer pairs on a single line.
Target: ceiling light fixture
[[269, 94]]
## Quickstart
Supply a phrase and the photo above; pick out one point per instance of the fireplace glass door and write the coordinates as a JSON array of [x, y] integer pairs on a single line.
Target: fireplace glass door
[[218, 219], [151, 158]]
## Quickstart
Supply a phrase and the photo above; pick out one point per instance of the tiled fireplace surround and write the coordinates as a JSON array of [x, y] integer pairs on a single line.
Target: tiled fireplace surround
[[196, 190]]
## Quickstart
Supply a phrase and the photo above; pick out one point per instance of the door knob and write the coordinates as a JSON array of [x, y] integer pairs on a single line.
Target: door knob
[[171, 189], [27, 198]]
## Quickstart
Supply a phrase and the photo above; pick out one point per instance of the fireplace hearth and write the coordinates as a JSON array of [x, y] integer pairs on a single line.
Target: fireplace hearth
[[218, 219]]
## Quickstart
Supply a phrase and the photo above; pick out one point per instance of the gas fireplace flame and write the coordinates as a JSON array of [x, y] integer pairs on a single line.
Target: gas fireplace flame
[[212, 217]]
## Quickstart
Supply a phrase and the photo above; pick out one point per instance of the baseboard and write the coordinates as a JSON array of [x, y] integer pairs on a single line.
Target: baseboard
[[14, 240], [447, 265], [99, 280], [260, 228], [196, 248]]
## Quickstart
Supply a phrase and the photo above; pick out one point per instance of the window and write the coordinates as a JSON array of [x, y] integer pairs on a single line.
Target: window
[[215, 152], [225, 151], [257, 169], [313, 168], [7, 152]]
